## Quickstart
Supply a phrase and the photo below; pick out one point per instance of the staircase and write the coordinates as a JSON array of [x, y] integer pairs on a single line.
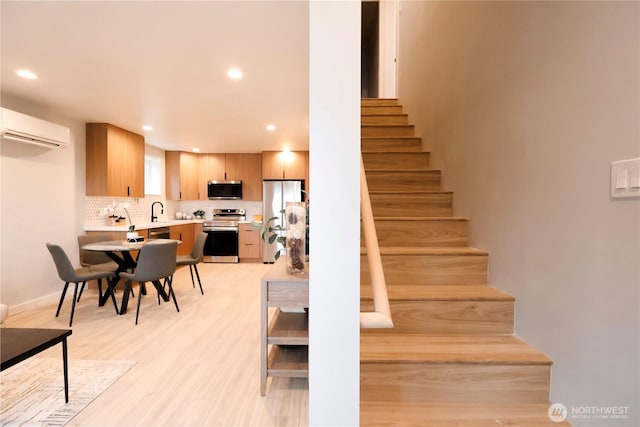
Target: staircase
[[452, 358]]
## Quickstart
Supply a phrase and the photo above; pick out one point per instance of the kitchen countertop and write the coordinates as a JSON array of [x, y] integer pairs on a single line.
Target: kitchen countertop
[[147, 225], [140, 226]]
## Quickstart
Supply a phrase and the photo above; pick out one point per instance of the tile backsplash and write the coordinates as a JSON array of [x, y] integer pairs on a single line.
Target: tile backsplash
[[140, 208]]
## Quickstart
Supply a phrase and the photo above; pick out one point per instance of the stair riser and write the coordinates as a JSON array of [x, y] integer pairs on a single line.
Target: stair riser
[[404, 181], [429, 269], [381, 109], [399, 161], [384, 119], [458, 414], [427, 204], [391, 144], [368, 102], [439, 233], [386, 131], [448, 317], [454, 382]]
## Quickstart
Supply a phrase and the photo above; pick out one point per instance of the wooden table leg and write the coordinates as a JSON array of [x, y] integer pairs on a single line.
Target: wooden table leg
[[65, 368]]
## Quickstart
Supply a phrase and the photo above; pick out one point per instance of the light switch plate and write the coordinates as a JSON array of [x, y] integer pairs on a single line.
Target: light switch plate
[[625, 179]]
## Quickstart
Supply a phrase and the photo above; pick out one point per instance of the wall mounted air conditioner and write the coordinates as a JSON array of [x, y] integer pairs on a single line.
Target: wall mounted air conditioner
[[31, 130]]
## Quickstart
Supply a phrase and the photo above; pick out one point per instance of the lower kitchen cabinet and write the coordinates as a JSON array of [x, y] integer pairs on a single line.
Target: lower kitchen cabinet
[[249, 243], [185, 233]]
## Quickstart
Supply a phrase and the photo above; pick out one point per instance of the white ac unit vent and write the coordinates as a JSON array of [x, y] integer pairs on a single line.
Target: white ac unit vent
[[31, 130]]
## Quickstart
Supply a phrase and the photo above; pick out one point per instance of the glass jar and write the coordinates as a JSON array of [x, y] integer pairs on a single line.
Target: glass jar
[[295, 233]]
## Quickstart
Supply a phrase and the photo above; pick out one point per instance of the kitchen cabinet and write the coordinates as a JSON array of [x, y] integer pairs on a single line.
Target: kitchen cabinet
[[181, 175], [210, 167], [114, 161], [249, 243], [185, 233], [246, 167], [285, 164], [284, 339]]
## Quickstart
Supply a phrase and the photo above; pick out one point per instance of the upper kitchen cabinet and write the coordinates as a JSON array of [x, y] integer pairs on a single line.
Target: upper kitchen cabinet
[[115, 161], [187, 174], [210, 167], [181, 175], [246, 167], [285, 164]]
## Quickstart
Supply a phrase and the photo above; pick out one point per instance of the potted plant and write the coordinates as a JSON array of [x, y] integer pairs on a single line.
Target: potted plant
[[269, 232], [273, 233]]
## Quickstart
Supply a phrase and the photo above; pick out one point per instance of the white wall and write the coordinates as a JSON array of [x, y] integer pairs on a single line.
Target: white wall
[[525, 105], [41, 194], [334, 147]]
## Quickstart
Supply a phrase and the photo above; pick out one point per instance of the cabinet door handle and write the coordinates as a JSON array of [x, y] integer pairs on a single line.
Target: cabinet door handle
[[128, 193]]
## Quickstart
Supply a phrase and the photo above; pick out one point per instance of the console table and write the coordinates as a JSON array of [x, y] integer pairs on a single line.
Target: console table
[[285, 336], [19, 344]]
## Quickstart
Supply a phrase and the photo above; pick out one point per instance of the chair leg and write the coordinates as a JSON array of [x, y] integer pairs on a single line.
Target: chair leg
[[173, 294], [73, 304], [64, 292], [100, 290], [80, 294], [111, 289], [191, 271], [195, 267], [139, 298]]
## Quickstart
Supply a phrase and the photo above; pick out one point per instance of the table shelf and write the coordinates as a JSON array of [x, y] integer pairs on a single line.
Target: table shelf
[[288, 328], [284, 340], [288, 361]]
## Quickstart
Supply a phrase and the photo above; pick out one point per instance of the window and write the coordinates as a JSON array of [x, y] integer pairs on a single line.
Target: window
[[152, 176]]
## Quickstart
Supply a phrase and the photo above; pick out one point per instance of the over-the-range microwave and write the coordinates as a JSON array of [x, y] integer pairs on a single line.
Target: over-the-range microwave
[[224, 190]]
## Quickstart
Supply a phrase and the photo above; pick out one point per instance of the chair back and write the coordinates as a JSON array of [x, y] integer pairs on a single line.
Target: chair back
[[156, 261], [65, 269], [197, 251], [88, 258]]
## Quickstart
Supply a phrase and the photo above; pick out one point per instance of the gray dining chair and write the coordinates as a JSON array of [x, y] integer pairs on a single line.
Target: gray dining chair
[[156, 262], [193, 259], [69, 274], [95, 260]]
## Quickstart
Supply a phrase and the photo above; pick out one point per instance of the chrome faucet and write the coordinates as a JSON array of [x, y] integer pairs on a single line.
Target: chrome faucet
[[154, 218]]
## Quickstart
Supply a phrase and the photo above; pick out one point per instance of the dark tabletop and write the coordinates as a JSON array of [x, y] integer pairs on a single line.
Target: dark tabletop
[[18, 344]]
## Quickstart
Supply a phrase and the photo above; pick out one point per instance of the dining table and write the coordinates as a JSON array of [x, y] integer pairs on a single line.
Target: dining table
[[125, 254]]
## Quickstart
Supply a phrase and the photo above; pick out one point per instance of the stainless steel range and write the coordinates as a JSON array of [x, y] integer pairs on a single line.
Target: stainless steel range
[[222, 235]]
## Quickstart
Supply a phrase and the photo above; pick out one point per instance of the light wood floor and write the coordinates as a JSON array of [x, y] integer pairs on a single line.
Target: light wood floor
[[199, 367]]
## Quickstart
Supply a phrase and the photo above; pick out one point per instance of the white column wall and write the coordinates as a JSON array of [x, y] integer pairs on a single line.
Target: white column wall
[[334, 145]]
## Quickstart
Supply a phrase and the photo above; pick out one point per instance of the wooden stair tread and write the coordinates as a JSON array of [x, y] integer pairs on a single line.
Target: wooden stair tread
[[402, 292], [378, 101], [395, 151], [409, 192], [400, 172], [434, 251], [465, 349], [420, 218], [463, 414]]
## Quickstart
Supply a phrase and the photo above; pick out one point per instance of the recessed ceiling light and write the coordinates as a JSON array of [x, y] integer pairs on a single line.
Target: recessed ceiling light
[[147, 127], [195, 150], [234, 73], [26, 74], [271, 127]]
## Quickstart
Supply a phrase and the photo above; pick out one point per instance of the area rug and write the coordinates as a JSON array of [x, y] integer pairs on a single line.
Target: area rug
[[32, 392]]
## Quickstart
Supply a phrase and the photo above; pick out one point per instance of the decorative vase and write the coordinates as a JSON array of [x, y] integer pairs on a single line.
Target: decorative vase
[[112, 220], [295, 232]]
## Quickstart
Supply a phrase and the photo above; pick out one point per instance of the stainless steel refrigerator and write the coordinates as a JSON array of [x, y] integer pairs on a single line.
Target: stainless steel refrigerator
[[275, 194]]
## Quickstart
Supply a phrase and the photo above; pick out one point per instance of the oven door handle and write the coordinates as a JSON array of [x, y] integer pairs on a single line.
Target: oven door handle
[[220, 229]]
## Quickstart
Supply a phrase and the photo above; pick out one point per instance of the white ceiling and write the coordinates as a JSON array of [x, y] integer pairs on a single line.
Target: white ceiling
[[164, 64]]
